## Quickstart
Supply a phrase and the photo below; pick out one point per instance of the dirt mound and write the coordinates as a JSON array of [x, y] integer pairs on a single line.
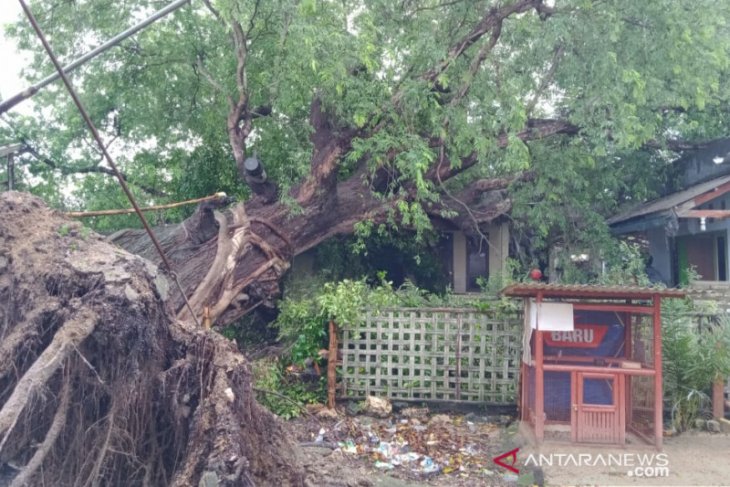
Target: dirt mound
[[99, 385]]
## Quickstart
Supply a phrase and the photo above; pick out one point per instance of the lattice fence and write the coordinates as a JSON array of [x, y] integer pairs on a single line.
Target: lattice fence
[[433, 354]]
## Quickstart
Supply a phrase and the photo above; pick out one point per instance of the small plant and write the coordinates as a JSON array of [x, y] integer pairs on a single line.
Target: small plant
[[625, 264], [284, 393], [689, 407]]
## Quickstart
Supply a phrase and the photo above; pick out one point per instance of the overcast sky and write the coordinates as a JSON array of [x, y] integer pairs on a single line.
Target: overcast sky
[[12, 62]]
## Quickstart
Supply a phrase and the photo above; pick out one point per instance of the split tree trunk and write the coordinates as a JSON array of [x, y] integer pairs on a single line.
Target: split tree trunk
[[233, 261]]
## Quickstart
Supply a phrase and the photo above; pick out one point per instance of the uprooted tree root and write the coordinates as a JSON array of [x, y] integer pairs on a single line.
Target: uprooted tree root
[[100, 385]]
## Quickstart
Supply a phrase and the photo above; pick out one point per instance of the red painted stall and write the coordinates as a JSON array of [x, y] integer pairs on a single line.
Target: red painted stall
[[591, 367]]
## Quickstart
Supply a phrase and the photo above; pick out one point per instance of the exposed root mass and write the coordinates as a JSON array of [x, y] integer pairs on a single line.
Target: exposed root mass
[[101, 385]]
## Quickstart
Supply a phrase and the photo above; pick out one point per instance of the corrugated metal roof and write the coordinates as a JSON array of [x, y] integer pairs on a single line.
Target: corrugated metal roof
[[527, 290], [670, 201]]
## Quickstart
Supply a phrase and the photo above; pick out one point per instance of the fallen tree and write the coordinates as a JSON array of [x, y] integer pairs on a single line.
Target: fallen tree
[[361, 126], [406, 111]]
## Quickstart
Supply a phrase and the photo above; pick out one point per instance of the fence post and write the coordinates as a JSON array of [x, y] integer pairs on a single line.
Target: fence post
[[718, 401], [332, 366]]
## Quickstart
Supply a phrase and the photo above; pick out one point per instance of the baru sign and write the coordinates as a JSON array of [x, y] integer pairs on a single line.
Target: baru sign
[[582, 336]]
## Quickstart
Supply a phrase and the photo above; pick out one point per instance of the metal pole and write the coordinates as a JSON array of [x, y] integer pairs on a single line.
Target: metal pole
[[102, 146], [32, 90]]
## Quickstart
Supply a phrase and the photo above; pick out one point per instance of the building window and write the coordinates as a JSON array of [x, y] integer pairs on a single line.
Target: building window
[[477, 262]]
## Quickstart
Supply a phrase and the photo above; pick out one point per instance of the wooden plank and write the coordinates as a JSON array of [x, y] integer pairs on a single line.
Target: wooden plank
[[719, 214], [619, 308], [593, 368], [658, 397]]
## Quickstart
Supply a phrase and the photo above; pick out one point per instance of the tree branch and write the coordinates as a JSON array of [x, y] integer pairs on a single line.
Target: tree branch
[[88, 170], [492, 19], [213, 10], [328, 145], [535, 129], [200, 67], [477, 62], [546, 80]]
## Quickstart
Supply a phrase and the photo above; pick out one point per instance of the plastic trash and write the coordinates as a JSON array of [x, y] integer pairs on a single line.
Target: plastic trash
[[384, 465], [386, 449], [469, 450], [320, 436], [429, 466], [348, 447], [402, 458]]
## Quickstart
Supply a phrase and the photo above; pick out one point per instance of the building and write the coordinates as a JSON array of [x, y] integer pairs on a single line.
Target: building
[[687, 231], [467, 259]]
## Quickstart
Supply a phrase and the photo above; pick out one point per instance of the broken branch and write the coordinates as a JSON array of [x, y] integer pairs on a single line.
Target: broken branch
[[127, 211]]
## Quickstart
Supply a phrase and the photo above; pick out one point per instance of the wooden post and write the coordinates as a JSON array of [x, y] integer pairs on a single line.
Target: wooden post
[[629, 355], [575, 386], [11, 172], [539, 378], [521, 396], [658, 395], [718, 401], [332, 366]]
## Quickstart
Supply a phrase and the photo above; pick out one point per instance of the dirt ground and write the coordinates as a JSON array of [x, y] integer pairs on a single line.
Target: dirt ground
[[426, 449], [693, 458]]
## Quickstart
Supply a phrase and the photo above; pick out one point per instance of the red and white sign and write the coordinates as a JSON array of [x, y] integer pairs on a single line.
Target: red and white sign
[[582, 336]]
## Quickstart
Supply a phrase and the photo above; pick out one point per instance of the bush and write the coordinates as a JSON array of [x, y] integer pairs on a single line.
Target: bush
[[283, 392], [303, 321], [693, 359]]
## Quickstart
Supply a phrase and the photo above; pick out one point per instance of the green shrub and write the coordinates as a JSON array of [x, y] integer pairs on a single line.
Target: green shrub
[[303, 321], [692, 360], [284, 393]]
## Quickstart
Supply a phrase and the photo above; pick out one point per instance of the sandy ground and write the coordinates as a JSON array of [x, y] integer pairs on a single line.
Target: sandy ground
[[692, 459]]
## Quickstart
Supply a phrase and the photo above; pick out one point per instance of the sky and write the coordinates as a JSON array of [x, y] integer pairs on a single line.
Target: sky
[[12, 62]]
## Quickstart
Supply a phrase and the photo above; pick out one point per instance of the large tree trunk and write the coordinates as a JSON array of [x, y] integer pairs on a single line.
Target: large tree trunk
[[232, 261], [101, 385]]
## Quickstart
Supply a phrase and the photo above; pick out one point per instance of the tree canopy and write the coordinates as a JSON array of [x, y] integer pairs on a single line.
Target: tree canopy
[[422, 107]]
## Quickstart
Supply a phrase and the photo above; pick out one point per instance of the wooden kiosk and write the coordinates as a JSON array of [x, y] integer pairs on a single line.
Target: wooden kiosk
[[591, 367]]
